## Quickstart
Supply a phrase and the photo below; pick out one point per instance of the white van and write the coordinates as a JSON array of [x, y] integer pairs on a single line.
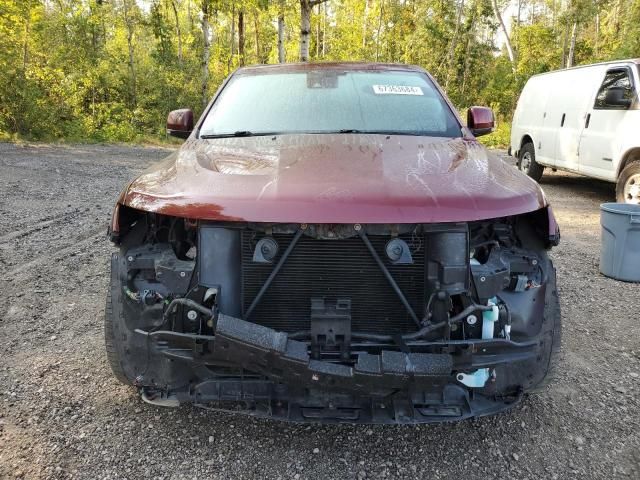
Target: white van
[[584, 120]]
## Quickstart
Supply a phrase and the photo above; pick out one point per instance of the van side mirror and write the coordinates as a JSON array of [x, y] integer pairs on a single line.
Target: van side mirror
[[618, 97], [180, 123], [480, 120]]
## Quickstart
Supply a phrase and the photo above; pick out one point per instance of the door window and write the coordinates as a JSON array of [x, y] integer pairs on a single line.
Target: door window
[[616, 91]]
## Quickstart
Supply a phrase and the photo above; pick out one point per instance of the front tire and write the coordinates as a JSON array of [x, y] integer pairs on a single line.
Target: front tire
[[527, 162], [552, 334], [114, 332], [628, 185]]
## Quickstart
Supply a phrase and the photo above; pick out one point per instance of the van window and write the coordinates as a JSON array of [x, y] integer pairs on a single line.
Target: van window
[[614, 80]]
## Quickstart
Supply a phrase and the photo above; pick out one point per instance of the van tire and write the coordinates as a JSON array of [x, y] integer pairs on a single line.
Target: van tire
[[631, 170], [527, 162]]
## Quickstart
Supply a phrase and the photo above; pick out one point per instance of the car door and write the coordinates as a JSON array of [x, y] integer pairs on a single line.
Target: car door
[[606, 116]]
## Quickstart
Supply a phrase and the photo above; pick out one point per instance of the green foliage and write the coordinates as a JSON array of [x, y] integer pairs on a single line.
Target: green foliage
[[499, 138], [110, 70]]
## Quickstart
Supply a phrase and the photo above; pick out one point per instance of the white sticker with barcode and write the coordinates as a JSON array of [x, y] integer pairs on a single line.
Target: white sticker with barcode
[[396, 90]]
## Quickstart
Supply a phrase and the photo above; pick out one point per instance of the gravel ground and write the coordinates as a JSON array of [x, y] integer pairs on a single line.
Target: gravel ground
[[62, 414]]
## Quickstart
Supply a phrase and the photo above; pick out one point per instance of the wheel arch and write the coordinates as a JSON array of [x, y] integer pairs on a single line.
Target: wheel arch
[[629, 156], [526, 138]]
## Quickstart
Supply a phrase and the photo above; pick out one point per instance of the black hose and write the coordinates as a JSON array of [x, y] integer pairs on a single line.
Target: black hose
[[409, 336], [187, 303], [506, 309], [435, 326]]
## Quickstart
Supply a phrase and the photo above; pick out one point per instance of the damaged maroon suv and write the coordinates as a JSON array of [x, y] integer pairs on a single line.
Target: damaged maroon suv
[[332, 244]]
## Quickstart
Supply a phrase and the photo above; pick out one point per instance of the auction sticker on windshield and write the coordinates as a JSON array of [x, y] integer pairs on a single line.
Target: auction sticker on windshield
[[396, 90]]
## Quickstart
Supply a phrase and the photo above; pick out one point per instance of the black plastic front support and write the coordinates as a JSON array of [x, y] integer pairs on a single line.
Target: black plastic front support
[[263, 398], [270, 353]]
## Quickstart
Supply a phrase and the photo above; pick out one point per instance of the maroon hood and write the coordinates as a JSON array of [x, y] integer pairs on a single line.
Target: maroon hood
[[346, 178]]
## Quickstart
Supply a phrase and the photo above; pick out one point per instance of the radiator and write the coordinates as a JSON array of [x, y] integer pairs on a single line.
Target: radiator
[[341, 268]]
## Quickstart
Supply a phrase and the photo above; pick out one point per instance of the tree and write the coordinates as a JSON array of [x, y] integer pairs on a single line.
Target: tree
[[572, 45], [241, 36], [207, 13], [305, 26], [174, 6], [281, 7], [129, 13], [505, 32], [110, 70]]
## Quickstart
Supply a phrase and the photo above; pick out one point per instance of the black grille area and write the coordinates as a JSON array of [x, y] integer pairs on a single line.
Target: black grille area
[[341, 268]]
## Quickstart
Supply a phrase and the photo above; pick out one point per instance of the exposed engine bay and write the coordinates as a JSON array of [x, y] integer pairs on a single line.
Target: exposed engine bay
[[370, 323]]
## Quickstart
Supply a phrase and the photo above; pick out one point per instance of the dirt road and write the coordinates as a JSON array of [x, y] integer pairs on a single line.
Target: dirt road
[[62, 414]]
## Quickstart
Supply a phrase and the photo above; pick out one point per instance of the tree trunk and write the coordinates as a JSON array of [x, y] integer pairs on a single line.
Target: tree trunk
[[305, 29], [519, 12], [503, 27], [206, 50], [256, 26], [281, 57], [379, 29], [324, 29], [471, 34], [564, 47], [241, 36], [452, 47], [318, 37], [233, 29], [25, 43], [597, 39], [364, 24], [132, 68], [305, 26], [178, 32], [572, 45]]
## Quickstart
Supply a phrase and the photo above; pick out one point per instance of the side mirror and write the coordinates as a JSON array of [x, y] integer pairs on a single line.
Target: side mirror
[[480, 120], [180, 123], [618, 97]]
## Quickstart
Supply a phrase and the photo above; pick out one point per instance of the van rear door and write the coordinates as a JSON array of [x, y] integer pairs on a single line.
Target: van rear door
[[610, 110]]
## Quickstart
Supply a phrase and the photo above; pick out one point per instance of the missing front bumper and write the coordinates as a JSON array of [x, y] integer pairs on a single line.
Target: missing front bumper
[[261, 398], [382, 385]]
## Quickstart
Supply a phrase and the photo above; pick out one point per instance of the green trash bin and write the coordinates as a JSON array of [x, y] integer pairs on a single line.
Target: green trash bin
[[620, 247]]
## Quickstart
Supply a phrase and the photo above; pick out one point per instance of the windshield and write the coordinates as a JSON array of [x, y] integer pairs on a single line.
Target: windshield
[[330, 101]]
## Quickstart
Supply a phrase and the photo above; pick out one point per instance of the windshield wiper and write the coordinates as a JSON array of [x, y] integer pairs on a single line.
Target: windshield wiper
[[380, 132], [238, 133]]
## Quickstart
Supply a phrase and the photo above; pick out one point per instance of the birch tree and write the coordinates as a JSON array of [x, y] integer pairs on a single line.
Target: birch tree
[[174, 7], [281, 25], [505, 32], [306, 7], [207, 13], [111, 70], [128, 11], [572, 44]]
